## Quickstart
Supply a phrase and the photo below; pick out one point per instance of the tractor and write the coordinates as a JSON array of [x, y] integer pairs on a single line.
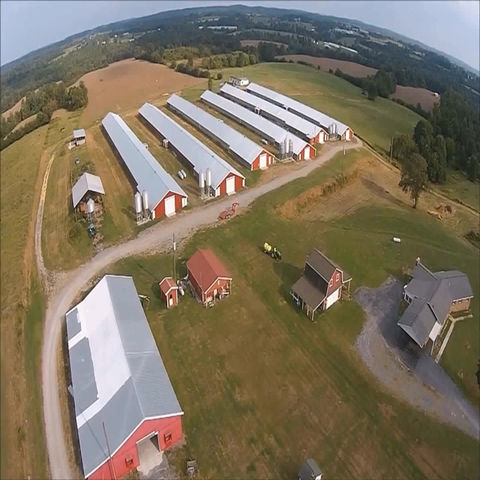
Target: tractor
[[272, 251]]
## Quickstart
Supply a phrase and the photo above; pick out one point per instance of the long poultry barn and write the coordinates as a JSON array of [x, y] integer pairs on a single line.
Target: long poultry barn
[[309, 131], [126, 410], [163, 194], [241, 147], [287, 143], [334, 128], [214, 173]]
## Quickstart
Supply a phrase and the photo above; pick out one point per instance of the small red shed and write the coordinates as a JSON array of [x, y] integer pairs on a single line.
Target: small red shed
[[210, 280], [169, 291]]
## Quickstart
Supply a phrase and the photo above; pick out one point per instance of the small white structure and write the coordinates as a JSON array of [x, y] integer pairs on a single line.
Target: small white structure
[[239, 81], [79, 137], [86, 187], [310, 471]]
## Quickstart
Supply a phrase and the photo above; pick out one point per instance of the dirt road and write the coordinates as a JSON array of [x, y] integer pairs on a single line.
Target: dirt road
[[155, 239], [406, 370]]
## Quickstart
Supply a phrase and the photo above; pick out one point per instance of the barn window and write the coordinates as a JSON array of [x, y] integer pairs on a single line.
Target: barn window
[[331, 282], [338, 277], [129, 461], [167, 437]]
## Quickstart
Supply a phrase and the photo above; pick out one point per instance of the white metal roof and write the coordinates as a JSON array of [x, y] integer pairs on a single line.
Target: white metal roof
[[80, 133], [118, 376], [241, 145], [289, 119], [147, 172], [86, 183], [198, 154], [267, 128], [313, 115]]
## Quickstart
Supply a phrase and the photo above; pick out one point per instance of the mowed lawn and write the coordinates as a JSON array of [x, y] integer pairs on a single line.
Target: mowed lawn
[[22, 439], [376, 121], [262, 387]]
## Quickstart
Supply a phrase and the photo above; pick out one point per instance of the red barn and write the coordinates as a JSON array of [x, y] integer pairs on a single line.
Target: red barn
[[169, 290], [126, 411], [209, 278], [321, 284]]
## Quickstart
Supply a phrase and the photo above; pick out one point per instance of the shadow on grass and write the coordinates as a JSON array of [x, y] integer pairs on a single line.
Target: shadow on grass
[[288, 274]]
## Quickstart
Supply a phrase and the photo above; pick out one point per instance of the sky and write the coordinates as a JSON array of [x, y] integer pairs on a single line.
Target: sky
[[449, 26]]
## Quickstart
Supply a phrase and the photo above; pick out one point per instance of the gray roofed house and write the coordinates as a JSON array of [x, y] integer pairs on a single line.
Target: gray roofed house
[[255, 122], [240, 145], [277, 114], [195, 152], [148, 174], [310, 471], [118, 377], [320, 285], [79, 134], [86, 183], [305, 111], [431, 298]]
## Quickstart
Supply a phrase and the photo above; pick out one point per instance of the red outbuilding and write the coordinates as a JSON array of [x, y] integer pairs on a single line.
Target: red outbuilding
[[210, 280], [169, 291]]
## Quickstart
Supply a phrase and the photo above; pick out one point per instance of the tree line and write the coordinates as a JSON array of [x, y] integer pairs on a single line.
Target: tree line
[[42, 103], [447, 138]]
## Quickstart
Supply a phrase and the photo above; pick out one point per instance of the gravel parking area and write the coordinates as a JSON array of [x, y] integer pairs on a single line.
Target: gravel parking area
[[399, 364]]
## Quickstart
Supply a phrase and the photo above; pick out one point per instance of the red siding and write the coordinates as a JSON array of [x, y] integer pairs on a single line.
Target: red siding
[[238, 183], [335, 283], [160, 208], [313, 152], [219, 284], [174, 293], [348, 134], [171, 425], [256, 162]]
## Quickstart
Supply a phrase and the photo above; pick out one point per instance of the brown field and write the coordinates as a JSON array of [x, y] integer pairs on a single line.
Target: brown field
[[350, 68], [254, 43], [415, 95], [127, 84], [13, 109]]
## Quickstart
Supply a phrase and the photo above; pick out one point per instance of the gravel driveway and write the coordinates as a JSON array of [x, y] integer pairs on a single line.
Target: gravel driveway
[[406, 370]]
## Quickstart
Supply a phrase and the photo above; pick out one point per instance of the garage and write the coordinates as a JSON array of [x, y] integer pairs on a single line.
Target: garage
[[170, 206], [263, 160], [230, 185], [331, 299], [306, 154]]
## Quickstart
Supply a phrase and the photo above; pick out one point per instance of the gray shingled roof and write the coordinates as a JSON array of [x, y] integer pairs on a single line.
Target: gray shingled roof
[[86, 183], [433, 294], [80, 133], [312, 286], [198, 154], [148, 174], [310, 113], [268, 129], [239, 144], [310, 470], [288, 119], [118, 376]]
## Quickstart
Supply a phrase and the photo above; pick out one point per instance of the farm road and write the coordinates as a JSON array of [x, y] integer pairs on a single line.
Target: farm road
[[64, 291], [407, 371]]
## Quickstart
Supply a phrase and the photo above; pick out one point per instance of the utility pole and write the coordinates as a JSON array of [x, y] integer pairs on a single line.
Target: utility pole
[[112, 468], [391, 148], [174, 265]]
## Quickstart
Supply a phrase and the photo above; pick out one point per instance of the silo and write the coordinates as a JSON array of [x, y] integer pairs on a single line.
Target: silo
[[145, 200], [282, 150], [209, 178], [290, 147], [201, 179], [331, 129], [90, 206], [138, 203]]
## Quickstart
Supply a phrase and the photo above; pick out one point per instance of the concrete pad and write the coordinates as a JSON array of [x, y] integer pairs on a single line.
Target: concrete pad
[[149, 455]]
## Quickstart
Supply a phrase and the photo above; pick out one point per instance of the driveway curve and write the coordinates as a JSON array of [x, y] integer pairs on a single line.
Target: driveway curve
[[154, 239], [406, 370]]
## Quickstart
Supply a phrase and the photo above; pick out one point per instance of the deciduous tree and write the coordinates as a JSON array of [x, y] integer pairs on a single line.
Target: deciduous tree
[[414, 176]]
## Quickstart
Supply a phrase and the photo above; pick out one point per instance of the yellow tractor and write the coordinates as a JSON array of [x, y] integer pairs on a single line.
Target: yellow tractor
[[272, 251]]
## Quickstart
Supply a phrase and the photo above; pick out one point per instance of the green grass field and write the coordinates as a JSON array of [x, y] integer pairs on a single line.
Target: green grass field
[[458, 187], [22, 437], [262, 387]]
